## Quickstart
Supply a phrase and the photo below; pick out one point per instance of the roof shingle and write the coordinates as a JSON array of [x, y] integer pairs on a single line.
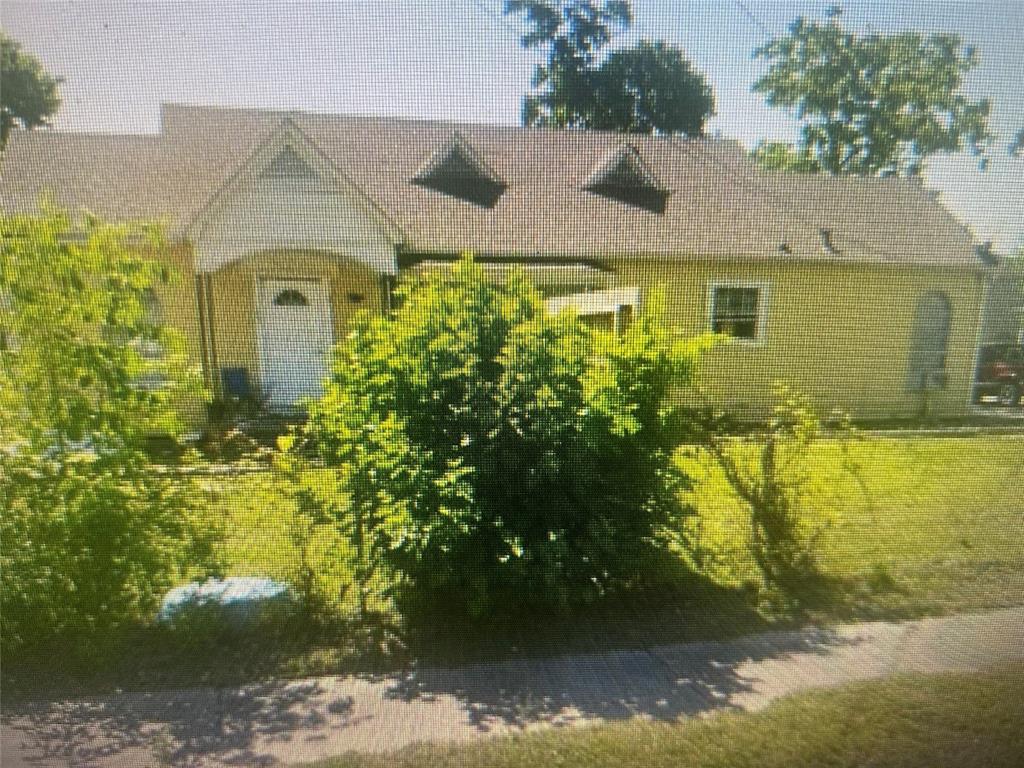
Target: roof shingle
[[719, 205]]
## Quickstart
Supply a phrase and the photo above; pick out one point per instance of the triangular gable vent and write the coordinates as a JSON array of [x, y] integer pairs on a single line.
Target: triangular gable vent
[[288, 165], [456, 172], [625, 179]]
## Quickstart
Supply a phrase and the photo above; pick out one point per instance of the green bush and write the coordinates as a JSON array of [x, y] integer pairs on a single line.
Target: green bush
[[92, 535], [770, 472], [493, 454]]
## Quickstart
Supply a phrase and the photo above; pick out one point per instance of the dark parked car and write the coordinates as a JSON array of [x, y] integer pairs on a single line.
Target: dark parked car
[[1001, 373]]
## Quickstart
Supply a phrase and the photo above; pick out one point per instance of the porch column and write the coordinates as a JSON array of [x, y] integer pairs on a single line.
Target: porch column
[[207, 336]]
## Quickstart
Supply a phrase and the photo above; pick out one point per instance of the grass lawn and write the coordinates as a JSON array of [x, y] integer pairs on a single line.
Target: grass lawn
[[923, 526], [941, 721], [914, 526]]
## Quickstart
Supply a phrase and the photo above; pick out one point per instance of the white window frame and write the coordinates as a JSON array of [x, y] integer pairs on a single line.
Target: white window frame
[[763, 296], [609, 301]]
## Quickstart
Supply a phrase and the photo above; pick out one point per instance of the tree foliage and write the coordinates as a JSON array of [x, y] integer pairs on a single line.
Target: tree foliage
[[572, 31], [91, 534], [496, 454], [874, 104], [780, 156], [28, 95], [648, 88]]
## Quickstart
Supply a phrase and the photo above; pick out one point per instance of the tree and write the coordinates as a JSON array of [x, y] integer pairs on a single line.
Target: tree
[[573, 31], [92, 535], [780, 156], [28, 95], [873, 104], [650, 88], [496, 455]]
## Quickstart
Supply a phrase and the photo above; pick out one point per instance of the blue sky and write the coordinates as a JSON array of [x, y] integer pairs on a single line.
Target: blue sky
[[460, 60]]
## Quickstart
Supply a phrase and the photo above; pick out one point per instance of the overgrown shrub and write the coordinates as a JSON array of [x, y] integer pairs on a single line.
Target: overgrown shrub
[[497, 455], [310, 525], [91, 533], [769, 471]]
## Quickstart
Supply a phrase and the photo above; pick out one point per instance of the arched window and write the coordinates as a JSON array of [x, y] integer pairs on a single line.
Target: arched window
[[291, 298], [929, 342]]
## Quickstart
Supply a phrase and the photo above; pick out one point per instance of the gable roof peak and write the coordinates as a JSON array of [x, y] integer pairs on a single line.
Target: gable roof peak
[[287, 152]]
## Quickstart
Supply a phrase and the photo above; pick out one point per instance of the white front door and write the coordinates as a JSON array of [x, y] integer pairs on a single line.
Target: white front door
[[294, 340]]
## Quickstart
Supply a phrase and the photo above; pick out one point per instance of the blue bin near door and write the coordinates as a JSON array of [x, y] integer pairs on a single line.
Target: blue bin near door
[[235, 383]]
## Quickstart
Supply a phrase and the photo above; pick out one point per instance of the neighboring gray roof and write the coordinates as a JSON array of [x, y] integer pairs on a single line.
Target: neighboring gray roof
[[720, 205]]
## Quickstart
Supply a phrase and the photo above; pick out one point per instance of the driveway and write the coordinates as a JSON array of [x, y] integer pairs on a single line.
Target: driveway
[[292, 721]]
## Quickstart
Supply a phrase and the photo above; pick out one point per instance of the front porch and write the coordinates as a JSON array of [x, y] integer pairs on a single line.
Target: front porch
[[268, 322]]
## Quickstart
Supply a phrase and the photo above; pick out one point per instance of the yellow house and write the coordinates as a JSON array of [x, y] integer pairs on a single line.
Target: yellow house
[[865, 293]]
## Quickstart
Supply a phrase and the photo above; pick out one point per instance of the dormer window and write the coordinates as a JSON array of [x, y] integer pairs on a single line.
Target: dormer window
[[457, 171], [626, 179]]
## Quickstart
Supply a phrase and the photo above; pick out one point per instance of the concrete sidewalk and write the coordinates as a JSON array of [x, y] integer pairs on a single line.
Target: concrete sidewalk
[[293, 721]]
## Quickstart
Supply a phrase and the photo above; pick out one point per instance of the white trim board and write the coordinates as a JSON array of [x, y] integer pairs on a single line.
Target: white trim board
[[255, 212], [595, 302]]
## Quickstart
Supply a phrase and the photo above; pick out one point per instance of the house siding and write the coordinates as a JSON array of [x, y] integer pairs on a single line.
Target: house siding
[[839, 332], [180, 311], [177, 297]]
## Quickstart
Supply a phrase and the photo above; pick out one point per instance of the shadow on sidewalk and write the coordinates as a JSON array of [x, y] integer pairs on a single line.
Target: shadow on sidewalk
[[228, 726], [179, 728], [660, 683]]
